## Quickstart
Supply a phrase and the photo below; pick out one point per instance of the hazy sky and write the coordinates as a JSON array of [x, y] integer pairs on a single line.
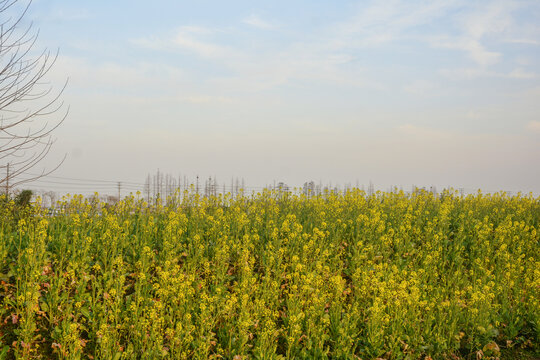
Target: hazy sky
[[397, 92]]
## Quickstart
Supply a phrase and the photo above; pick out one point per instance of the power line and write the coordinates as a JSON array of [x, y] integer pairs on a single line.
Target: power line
[[71, 183], [115, 182], [89, 185]]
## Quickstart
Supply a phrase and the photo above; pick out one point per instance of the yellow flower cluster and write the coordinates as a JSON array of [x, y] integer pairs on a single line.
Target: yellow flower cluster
[[271, 275]]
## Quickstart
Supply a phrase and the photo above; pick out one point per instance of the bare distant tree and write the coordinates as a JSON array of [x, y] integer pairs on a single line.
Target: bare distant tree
[[52, 197], [27, 102]]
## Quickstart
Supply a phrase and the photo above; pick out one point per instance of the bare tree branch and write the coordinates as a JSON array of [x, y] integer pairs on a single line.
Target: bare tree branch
[[27, 101]]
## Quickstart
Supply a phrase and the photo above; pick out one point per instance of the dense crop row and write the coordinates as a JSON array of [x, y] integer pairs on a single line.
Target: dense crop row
[[340, 276]]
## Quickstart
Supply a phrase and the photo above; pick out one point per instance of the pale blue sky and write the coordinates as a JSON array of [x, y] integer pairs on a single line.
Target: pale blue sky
[[396, 92]]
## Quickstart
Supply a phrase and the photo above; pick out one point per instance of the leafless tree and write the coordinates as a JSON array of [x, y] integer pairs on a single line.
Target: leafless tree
[[29, 108], [52, 197]]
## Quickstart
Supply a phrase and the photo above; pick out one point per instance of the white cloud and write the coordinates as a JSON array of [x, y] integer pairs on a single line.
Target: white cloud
[[466, 73], [256, 21], [473, 47], [327, 55], [519, 73], [202, 48], [195, 39], [89, 76], [255, 70], [492, 18], [387, 21], [384, 22], [524, 41], [480, 22]]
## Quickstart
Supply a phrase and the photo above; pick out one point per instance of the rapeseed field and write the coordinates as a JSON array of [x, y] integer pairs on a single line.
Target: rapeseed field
[[272, 275]]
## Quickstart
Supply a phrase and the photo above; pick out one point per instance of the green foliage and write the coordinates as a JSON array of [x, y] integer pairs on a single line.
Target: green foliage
[[23, 198]]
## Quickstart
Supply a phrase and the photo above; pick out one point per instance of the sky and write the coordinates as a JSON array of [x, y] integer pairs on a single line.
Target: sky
[[397, 93]]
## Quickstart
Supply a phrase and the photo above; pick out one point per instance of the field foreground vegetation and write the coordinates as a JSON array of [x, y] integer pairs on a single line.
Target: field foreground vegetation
[[341, 276]]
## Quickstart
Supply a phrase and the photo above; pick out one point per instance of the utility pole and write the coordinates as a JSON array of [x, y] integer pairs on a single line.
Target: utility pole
[[7, 180], [119, 186], [149, 181], [180, 184]]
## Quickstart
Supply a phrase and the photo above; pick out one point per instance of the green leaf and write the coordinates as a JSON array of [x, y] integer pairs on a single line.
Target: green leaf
[[4, 352]]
